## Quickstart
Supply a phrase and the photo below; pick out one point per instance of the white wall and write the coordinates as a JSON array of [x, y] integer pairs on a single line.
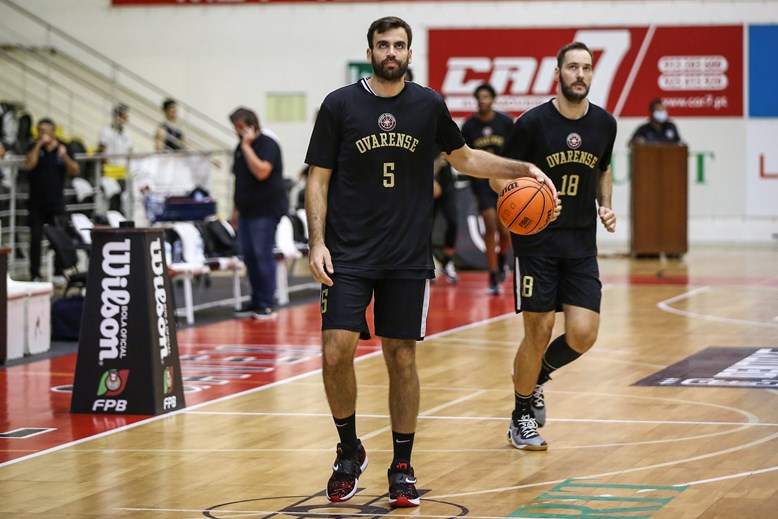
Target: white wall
[[219, 57]]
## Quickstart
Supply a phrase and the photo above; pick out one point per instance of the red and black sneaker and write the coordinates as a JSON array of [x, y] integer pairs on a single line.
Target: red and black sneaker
[[402, 485], [345, 473]]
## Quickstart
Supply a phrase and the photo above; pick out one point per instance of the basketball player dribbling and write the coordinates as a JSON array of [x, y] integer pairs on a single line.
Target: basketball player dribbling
[[572, 140], [369, 205]]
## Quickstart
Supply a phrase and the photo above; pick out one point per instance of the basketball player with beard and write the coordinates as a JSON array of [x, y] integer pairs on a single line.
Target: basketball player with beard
[[369, 205], [571, 140]]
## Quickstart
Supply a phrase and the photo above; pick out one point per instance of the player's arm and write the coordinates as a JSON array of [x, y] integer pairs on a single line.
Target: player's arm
[[316, 212], [261, 169], [479, 163], [605, 200], [159, 139]]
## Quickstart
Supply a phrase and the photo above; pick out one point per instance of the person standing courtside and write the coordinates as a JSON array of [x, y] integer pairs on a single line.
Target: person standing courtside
[[571, 139], [48, 163], [659, 128], [259, 201], [486, 130], [116, 142], [369, 208], [169, 136]]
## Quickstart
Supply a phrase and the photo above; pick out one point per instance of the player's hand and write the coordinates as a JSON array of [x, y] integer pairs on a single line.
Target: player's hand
[[321, 264], [557, 210], [534, 171], [608, 218], [45, 139], [62, 150], [436, 190]]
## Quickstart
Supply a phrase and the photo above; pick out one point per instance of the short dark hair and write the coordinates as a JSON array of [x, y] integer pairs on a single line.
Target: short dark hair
[[120, 109], [167, 103], [386, 23], [576, 45], [652, 104], [245, 115], [49, 121], [485, 86]]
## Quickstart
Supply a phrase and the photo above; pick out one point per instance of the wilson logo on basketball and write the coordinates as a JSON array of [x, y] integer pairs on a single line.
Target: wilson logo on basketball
[[387, 122], [574, 141], [525, 206]]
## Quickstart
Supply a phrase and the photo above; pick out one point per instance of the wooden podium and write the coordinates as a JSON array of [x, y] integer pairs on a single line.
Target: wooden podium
[[659, 199]]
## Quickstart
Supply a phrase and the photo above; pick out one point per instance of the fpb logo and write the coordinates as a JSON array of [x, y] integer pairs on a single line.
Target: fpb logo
[[113, 382], [109, 404]]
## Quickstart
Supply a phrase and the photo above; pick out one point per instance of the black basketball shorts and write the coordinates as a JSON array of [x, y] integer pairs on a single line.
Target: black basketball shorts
[[399, 311], [543, 284], [485, 196]]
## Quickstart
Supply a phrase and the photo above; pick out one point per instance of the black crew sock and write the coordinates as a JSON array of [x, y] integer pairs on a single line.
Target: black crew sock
[[500, 262], [558, 354], [347, 431], [402, 445], [522, 406]]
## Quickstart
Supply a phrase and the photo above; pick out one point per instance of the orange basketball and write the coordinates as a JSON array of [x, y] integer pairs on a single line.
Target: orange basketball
[[525, 206]]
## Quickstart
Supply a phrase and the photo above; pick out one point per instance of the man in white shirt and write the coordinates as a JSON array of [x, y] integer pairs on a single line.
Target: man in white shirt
[[114, 140]]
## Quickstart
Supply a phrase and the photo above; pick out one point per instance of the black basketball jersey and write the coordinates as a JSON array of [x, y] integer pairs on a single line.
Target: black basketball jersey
[[381, 152], [489, 136], [573, 153]]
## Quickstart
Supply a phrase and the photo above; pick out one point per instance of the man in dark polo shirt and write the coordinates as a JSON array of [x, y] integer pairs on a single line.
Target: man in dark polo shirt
[[260, 200]]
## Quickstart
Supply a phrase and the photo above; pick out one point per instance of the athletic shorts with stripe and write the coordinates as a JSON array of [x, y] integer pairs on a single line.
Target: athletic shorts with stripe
[[544, 284], [400, 309]]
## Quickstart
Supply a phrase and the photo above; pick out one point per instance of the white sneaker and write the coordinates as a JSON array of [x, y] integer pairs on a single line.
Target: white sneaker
[[523, 434], [450, 273]]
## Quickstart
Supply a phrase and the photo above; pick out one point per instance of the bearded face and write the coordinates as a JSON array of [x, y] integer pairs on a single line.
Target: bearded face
[[390, 68], [575, 90], [575, 75]]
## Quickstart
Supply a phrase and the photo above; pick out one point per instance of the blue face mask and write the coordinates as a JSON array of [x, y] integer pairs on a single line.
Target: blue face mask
[[659, 116]]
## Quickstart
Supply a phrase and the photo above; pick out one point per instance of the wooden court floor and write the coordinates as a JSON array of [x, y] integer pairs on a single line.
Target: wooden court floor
[[673, 414]]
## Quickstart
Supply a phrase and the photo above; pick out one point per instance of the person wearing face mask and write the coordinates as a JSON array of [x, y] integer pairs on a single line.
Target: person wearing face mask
[[658, 128]]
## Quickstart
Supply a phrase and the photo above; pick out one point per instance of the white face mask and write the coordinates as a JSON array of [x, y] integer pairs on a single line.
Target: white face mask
[[660, 116]]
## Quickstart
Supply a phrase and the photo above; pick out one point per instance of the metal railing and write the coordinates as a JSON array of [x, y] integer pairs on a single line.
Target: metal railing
[[123, 82], [13, 196]]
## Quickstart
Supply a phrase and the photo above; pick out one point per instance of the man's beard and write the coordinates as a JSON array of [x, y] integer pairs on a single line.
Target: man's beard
[[570, 94], [379, 70]]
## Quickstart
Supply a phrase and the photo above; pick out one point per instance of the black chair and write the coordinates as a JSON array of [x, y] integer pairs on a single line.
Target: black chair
[[61, 242]]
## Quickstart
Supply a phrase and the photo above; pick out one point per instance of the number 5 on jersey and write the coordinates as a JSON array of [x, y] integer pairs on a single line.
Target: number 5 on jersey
[[388, 174]]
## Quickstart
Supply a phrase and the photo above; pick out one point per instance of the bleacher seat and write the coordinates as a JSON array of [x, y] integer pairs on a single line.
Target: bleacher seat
[[83, 226], [114, 217], [192, 263], [29, 309]]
